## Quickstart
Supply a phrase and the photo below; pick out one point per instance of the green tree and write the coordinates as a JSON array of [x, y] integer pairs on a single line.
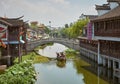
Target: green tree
[[66, 26], [71, 24], [47, 30], [34, 24], [77, 28]]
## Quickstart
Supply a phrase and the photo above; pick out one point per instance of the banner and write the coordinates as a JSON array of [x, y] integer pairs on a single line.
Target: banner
[[89, 31]]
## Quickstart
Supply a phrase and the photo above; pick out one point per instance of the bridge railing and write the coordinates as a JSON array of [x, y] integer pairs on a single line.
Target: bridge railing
[[67, 42]]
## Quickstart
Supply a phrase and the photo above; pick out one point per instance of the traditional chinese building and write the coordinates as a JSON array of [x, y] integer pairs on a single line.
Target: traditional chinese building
[[88, 45], [87, 31], [107, 31], [105, 36], [14, 39]]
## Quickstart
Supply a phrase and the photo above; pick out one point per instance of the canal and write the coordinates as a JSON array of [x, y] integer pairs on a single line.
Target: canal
[[72, 71]]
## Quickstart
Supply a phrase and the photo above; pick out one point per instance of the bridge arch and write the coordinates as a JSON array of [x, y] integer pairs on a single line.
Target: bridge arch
[[67, 43]]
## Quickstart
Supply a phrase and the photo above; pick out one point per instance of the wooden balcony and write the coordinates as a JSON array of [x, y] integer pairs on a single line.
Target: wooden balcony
[[110, 48], [89, 44], [109, 33], [109, 28]]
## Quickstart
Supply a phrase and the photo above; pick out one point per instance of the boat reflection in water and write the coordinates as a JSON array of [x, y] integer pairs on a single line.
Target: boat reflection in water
[[61, 64]]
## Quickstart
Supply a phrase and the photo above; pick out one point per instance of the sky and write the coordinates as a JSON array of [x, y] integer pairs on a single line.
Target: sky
[[59, 12]]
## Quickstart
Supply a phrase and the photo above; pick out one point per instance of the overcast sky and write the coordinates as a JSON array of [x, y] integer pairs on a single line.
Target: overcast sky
[[59, 12]]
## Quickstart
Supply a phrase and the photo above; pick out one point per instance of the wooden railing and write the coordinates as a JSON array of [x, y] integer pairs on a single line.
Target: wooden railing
[[112, 33], [89, 46], [110, 28], [110, 49]]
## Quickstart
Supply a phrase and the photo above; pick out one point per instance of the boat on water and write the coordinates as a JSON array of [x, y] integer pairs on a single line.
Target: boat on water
[[61, 56]]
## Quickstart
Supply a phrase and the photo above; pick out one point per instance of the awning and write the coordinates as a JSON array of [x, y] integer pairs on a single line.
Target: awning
[[15, 42]]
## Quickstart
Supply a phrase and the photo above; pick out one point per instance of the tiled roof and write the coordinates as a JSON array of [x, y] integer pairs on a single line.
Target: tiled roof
[[13, 22], [103, 7], [4, 22], [91, 16], [111, 14], [113, 0]]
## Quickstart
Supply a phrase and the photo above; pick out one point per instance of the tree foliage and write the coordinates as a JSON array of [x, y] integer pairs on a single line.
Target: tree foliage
[[34, 24], [66, 25], [76, 29], [47, 30]]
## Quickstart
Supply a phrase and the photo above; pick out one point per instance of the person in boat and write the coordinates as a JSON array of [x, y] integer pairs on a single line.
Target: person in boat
[[62, 54], [58, 55]]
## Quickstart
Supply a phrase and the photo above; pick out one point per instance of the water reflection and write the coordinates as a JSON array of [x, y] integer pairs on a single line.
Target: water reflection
[[61, 64], [51, 74], [89, 77], [75, 71], [50, 51], [102, 72]]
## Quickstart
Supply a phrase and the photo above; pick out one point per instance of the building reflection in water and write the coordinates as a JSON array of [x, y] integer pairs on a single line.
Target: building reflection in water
[[112, 76]]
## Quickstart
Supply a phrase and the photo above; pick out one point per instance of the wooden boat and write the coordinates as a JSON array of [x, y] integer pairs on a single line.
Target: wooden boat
[[61, 56], [61, 64]]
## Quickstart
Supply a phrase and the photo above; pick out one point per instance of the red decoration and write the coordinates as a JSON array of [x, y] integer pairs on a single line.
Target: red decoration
[[2, 44]]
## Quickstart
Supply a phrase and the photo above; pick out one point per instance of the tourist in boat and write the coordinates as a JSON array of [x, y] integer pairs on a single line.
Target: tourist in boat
[[62, 54], [58, 55]]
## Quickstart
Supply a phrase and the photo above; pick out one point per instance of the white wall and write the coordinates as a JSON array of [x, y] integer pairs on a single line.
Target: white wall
[[101, 12], [113, 5]]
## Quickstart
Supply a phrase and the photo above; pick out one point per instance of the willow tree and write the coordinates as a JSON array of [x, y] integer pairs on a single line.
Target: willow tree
[[77, 28]]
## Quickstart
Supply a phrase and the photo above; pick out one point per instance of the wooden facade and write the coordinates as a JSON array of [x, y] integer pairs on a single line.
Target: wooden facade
[[107, 28], [107, 32], [15, 39], [110, 48], [89, 44]]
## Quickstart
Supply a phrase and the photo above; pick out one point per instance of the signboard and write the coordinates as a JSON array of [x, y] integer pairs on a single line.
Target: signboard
[[89, 31], [3, 32]]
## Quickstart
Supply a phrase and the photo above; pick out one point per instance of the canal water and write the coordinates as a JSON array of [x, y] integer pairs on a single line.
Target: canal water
[[72, 71]]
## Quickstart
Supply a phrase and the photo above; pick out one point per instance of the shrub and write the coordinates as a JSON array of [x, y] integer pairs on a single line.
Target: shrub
[[22, 73]]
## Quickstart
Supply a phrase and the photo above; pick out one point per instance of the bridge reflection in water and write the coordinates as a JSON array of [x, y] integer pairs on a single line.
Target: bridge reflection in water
[[73, 71]]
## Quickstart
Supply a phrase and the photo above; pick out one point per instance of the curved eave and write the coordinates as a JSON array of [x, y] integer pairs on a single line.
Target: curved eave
[[6, 23], [12, 18], [105, 19], [111, 15]]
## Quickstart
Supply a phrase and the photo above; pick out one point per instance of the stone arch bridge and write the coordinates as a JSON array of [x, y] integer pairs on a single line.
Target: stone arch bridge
[[68, 43]]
